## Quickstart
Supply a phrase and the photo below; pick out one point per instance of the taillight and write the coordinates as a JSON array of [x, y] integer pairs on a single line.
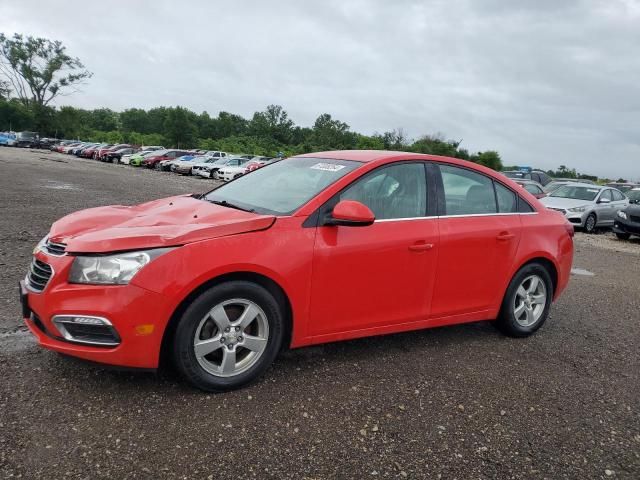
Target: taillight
[[570, 230]]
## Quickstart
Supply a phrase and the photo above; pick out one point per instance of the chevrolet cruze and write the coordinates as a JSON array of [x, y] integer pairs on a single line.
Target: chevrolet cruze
[[316, 248]]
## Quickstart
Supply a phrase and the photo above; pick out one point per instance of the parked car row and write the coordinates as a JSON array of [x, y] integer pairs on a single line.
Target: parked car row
[[202, 163], [586, 205]]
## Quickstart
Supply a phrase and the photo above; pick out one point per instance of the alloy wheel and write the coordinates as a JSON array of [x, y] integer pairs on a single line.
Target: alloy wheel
[[530, 301], [231, 337]]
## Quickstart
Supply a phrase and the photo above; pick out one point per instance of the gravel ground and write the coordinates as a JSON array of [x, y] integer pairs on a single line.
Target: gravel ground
[[460, 402]]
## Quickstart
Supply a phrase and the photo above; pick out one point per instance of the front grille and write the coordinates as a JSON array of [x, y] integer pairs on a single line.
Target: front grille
[[54, 248], [39, 275], [633, 218]]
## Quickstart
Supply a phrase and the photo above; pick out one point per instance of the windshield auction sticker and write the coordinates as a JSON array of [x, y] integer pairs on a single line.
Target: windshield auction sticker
[[327, 167]]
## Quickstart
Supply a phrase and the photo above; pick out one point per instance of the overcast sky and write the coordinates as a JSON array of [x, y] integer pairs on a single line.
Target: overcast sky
[[544, 82]]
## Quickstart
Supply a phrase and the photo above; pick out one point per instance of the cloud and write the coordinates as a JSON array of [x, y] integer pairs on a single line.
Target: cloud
[[543, 82]]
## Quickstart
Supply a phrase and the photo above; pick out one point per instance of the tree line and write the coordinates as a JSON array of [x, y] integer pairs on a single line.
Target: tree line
[[265, 133]]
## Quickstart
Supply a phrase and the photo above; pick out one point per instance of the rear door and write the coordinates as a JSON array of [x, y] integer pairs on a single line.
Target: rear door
[[479, 236]]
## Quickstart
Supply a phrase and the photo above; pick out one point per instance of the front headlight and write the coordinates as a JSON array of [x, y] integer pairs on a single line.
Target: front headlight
[[622, 214], [577, 209], [41, 244], [117, 269]]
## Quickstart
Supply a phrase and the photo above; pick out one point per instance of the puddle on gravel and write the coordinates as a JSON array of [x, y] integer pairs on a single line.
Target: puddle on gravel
[[582, 271], [17, 341], [55, 185]]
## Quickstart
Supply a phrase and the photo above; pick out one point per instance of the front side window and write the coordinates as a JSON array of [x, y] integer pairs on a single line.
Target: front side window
[[396, 191], [467, 192], [606, 195]]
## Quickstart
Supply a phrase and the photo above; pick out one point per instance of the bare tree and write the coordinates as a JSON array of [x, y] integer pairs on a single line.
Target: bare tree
[[38, 70]]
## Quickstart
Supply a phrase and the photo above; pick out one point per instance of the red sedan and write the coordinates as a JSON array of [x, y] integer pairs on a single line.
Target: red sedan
[[316, 248]]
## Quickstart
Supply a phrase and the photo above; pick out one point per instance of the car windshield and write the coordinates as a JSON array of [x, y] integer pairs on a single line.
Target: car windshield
[[633, 195], [576, 192], [553, 186], [283, 187]]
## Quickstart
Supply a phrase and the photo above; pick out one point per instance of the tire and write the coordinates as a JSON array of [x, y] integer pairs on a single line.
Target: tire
[[520, 315], [623, 236], [590, 223], [212, 371]]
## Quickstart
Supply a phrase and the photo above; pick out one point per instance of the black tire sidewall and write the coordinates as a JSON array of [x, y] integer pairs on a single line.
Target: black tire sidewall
[[184, 355], [506, 320], [586, 223]]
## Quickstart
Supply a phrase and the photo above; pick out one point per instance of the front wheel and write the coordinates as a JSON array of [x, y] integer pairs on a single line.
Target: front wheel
[[228, 336], [590, 223], [526, 304], [623, 236]]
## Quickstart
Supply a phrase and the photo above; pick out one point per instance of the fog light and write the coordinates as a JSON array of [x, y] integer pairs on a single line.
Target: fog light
[[87, 330]]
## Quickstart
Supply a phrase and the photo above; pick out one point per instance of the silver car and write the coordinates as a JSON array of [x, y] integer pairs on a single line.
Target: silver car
[[587, 206]]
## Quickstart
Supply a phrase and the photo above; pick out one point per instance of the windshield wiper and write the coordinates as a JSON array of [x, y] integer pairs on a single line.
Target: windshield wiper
[[224, 203]]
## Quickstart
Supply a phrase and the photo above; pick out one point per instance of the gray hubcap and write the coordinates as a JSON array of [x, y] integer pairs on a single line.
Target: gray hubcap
[[591, 223], [530, 301], [231, 337]]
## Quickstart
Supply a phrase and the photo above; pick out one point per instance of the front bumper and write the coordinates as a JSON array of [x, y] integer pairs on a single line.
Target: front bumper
[[625, 226], [139, 317], [576, 219]]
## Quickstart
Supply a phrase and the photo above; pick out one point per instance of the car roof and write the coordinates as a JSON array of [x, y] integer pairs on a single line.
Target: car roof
[[384, 156], [361, 155]]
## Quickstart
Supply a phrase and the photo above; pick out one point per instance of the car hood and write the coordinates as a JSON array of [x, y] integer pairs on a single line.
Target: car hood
[[161, 223], [557, 202]]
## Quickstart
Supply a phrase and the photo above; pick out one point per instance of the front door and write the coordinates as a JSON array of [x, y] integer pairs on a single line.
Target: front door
[[382, 274]]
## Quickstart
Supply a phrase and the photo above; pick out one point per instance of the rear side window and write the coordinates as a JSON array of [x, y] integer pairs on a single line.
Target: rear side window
[[524, 207], [544, 178], [533, 189], [617, 196], [507, 200], [467, 192]]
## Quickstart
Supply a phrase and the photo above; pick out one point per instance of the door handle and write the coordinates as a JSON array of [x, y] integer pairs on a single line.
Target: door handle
[[504, 236], [420, 247]]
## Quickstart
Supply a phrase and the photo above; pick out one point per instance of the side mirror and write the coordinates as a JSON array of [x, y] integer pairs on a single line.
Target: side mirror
[[604, 200], [350, 213]]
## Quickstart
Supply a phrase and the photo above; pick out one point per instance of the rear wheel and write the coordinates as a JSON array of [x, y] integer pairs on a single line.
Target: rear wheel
[[228, 336], [590, 223], [526, 304], [623, 236]]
